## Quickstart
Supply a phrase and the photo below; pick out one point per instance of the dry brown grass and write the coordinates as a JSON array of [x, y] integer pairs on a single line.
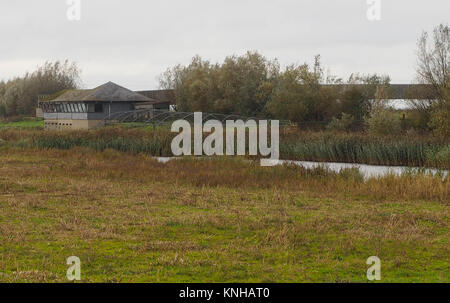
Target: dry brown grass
[[130, 218]]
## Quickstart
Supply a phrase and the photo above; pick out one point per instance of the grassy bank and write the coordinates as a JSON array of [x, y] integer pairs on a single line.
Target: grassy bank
[[20, 123], [130, 218], [421, 151]]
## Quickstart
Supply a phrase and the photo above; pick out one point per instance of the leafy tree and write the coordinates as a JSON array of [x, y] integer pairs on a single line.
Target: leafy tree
[[382, 119], [289, 100], [19, 96], [192, 84], [240, 85], [301, 96], [252, 85], [440, 117], [359, 93]]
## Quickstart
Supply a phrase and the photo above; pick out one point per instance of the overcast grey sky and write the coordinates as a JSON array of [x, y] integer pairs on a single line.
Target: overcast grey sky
[[132, 42]]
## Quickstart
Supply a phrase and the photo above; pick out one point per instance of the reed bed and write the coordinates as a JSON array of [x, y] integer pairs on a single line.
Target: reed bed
[[417, 151], [363, 148]]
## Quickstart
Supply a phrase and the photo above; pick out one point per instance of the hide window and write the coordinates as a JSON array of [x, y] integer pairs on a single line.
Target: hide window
[[98, 108]]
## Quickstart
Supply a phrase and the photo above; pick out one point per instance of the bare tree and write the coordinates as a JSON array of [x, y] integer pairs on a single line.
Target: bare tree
[[433, 72], [433, 66]]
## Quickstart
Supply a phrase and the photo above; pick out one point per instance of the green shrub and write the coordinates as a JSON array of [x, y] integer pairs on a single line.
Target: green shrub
[[342, 124], [384, 122], [440, 122], [439, 157]]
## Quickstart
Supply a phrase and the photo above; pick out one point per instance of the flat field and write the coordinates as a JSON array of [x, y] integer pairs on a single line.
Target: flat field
[[131, 219]]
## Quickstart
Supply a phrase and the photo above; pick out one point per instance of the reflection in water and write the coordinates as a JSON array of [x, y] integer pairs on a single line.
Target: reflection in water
[[368, 171], [164, 159]]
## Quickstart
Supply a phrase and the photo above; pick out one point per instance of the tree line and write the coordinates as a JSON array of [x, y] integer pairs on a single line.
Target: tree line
[[19, 96], [252, 85]]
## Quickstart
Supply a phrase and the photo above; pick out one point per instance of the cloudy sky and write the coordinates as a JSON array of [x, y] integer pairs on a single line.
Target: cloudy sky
[[131, 42]]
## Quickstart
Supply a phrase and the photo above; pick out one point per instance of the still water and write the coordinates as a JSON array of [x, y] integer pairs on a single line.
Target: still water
[[368, 171]]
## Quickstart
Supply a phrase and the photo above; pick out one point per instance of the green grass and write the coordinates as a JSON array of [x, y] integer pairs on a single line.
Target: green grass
[[23, 124], [131, 219]]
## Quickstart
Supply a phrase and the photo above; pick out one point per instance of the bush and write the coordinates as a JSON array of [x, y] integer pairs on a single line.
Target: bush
[[343, 124], [440, 122], [439, 158], [2, 110], [384, 122]]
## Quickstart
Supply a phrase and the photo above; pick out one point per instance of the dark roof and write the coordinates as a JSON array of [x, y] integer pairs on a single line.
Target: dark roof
[[108, 92]]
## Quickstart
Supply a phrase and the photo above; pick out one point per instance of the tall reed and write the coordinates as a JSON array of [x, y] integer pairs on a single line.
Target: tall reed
[[308, 146], [363, 148]]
